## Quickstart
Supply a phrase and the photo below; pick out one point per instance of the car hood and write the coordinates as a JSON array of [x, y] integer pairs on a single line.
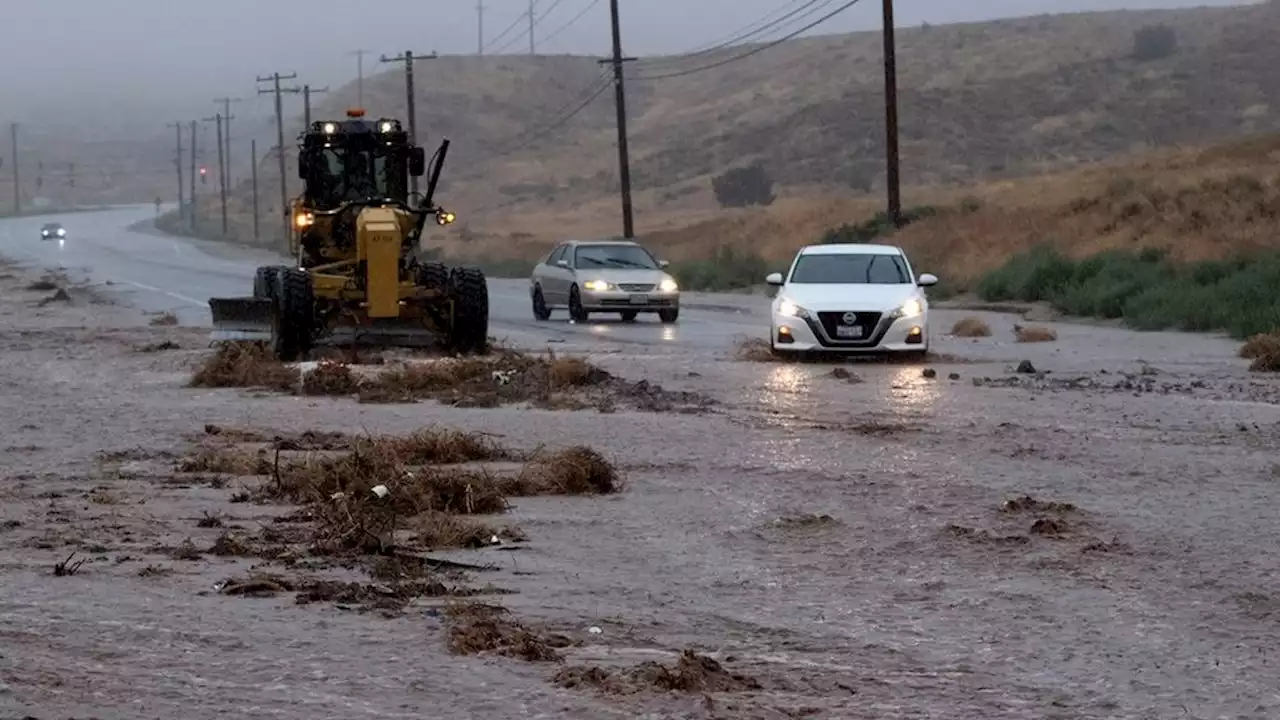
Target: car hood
[[860, 297], [616, 275]]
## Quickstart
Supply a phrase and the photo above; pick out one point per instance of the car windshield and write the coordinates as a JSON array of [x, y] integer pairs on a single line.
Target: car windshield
[[852, 269], [614, 256], [53, 226]]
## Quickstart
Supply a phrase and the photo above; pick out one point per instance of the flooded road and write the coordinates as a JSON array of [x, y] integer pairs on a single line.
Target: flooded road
[[1093, 540]]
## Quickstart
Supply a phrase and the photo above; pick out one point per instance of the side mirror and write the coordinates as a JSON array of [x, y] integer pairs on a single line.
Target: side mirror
[[417, 162], [664, 264], [563, 263], [927, 280], [774, 279], [304, 167]]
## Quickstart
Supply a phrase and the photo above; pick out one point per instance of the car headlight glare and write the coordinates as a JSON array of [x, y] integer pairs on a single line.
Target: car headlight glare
[[668, 285], [911, 308], [790, 309], [596, 285], [61, 233]]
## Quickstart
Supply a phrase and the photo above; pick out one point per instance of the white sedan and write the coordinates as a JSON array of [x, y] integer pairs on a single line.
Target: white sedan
[[850, 298]]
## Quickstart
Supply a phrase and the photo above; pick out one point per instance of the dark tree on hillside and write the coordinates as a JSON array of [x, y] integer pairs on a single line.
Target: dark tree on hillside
[[740, 187], [1154, 42]]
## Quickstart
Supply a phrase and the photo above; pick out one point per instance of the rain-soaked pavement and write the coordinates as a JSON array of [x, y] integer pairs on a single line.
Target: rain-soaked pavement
[[843, 538]]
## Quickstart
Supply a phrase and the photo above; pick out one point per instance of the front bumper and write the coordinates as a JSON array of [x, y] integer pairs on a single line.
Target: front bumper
[[881, 333], [629, 301]]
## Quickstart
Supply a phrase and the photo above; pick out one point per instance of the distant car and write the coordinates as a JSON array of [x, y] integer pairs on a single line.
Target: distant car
[[52, 231], [851, 299], [605, 276]]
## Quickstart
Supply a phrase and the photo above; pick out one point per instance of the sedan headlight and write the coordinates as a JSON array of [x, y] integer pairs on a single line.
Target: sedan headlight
[[790, 309], [61, 232], [597, 285], [668, 285], [911, 308]]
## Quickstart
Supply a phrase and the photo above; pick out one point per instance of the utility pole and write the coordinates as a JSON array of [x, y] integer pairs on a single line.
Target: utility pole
[[360, 75], [532, 46], [620, 100], [222, 170], [480, 27], [407, 57], [195, 205], [17, 186], [306, 103], [275, 78], [177, 161], [226, 130], [891, 176], [253, 150]]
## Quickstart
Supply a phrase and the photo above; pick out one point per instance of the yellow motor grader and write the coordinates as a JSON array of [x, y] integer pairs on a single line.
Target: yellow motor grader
[[354, 233]]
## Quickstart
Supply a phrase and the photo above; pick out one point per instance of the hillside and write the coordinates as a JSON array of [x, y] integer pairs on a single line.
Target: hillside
[[978, 102]]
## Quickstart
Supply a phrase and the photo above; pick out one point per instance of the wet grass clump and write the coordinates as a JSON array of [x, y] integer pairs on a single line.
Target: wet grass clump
[[692, 673], [371, 495], [1033, 334], [577, 470], [971, 327], [244, 365], [1146, 289], [502, 377], [1264, 350], [478, 628], [751, 349]]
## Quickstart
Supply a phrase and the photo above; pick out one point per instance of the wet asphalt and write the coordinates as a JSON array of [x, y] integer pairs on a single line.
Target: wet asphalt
[[159, 273]]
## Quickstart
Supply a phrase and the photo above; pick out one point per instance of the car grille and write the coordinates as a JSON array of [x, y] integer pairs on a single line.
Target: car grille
[[636, 287], [835, 319]]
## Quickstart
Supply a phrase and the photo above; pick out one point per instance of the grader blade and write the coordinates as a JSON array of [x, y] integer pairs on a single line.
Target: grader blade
[[243, 318]]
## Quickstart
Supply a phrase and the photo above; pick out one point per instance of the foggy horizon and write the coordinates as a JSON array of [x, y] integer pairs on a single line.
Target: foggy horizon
[[140, 59]]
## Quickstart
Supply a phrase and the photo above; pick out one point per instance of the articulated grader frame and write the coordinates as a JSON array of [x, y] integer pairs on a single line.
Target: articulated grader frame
[[355, 228]]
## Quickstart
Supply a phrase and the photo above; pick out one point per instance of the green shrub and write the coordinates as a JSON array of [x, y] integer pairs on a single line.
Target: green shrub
[[878, 227], [1146, 289], [725, 270]]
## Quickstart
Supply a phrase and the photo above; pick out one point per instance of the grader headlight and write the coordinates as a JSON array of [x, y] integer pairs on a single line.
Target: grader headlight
[[444, 217], [303, 220]]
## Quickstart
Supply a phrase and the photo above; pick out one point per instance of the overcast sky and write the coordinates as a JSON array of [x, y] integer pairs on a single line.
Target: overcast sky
[[170, 55]]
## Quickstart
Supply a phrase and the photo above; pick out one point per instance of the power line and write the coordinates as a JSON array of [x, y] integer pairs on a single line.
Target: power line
[[532, 25], [554, 33], [595, 90], [760, 25], [498, 38], [756, 50]]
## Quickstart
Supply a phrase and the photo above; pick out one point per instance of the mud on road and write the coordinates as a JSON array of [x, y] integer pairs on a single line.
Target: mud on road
[[1091, 537]]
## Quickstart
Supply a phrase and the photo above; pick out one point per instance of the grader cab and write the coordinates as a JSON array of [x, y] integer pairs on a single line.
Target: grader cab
[[354, 232]]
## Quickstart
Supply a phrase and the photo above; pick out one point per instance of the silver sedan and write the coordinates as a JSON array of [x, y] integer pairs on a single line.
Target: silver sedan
[[603, 276]]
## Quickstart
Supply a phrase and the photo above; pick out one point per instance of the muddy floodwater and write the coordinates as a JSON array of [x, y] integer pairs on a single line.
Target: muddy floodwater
[[1093, 537]]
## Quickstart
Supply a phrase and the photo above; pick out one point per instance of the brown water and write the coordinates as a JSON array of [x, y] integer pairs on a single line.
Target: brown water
[[1158, 598]]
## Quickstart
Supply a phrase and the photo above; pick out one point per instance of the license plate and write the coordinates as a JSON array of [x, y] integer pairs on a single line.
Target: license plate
[[849, 331], [639, 299]]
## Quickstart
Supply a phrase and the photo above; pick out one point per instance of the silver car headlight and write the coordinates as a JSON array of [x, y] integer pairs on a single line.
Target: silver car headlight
[[909, 309], [597, 286], [788, 308], [61, 232], [668, 285]]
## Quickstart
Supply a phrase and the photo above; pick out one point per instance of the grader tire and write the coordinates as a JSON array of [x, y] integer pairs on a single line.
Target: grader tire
[[433, 276], [469, 330], [295, 303], [264, 281]]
